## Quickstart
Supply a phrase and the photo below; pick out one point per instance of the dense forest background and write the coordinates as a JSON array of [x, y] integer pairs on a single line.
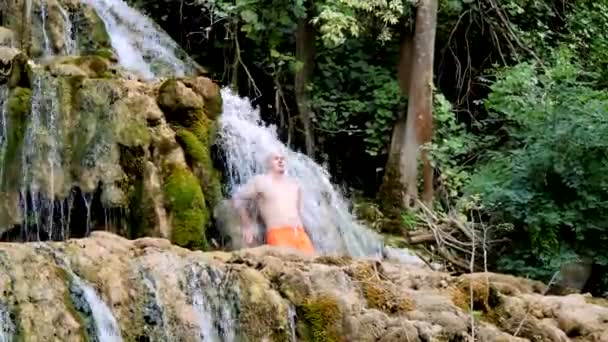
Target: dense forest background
[[519, 148]]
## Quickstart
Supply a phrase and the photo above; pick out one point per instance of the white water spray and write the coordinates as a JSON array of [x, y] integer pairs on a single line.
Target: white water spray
[[212, 304], [42, 163], [47, 42], [105, 323], [68, 31], [246, 142], [140, 44]]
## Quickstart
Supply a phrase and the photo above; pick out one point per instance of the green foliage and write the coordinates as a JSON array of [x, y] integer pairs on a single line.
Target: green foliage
[[587, 24], [339, 19], [550, 181], [450, 146], [356, 94]]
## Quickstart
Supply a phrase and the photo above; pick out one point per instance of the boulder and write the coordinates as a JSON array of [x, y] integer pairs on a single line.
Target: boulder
[[154, 289]]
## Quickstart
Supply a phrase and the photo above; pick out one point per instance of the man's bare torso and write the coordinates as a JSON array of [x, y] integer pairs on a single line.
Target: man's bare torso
[[278, 201]]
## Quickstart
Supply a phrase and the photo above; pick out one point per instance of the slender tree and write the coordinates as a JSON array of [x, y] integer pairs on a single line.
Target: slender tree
[[305, 54], [416, 80]]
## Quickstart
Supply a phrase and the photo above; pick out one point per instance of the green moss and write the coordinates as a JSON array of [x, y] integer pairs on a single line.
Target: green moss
[[104, 53], [132, 160], [20, 73], [379, 293], [379, 296], [19, 107], [321, 316], [141, 214], [193, 147], [98, 65], [91, 32], [214, 106], [186, 206], [390, 194], [258, 321], [133, 133]]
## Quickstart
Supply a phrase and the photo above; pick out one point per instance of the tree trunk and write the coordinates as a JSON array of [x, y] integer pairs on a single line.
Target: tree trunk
[[305, 52], [391, 192], [416, 80]]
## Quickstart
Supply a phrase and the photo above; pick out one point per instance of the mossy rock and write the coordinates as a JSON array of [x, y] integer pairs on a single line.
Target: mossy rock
[[69, 305], [91, 33], [380, 294], [180, 104], [185, 205], [321, 317], [262, 311], [200, 157], [485, 298], [210, 91], [390, 194], [19, 108], [89, 66], [105, 53]]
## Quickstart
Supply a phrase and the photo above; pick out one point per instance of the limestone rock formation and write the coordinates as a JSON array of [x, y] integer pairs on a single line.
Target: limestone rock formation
[[44, 27], [157, 291], [85, 144]]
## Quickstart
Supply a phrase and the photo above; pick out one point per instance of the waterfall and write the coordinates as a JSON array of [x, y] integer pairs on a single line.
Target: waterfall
[[68, 31], [85, 299], [42, 170], [7, 328], [213, 302], [47, 50], [141, 45], [106, 327], [246, 141], [155, 309]]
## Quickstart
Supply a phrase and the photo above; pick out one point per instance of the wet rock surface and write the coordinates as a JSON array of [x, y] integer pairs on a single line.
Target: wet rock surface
[[160, 292]]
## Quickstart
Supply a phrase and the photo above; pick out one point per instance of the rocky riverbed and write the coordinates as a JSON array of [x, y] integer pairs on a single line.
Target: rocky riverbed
[[150, 290]]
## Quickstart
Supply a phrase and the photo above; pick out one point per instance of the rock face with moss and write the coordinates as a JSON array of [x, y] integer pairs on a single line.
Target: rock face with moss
[[156, 291], [45, 28], [95, 148]]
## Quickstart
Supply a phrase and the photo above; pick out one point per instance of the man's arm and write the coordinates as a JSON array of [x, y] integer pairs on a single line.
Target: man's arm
[[248, 192]]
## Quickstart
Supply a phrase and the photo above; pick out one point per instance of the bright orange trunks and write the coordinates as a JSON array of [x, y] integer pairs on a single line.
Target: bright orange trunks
[[290, 237]]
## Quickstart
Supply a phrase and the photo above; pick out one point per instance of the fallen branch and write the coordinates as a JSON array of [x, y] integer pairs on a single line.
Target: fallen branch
[[456, 242]]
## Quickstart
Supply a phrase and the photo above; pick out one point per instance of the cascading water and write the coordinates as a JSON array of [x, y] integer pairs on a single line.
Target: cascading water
[[42, 173], [246, 142], [7, 328], [140, 44], [68, 31], [106, 327], [86, 300], [213, 303], [155, 308], [47, 50]]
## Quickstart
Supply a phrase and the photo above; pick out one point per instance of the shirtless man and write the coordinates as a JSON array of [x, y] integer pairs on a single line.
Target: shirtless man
[[278, 199]]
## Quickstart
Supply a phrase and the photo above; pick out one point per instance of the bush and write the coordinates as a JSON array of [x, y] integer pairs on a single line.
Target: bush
[[550, 177]]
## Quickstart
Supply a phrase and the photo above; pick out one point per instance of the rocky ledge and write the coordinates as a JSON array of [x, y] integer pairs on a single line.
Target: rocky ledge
[[151, 290]]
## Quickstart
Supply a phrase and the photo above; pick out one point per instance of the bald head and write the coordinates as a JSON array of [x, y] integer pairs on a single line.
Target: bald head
[[275, 162]]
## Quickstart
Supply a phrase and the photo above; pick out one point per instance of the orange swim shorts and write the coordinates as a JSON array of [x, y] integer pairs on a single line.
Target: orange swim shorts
[[290, 237]]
